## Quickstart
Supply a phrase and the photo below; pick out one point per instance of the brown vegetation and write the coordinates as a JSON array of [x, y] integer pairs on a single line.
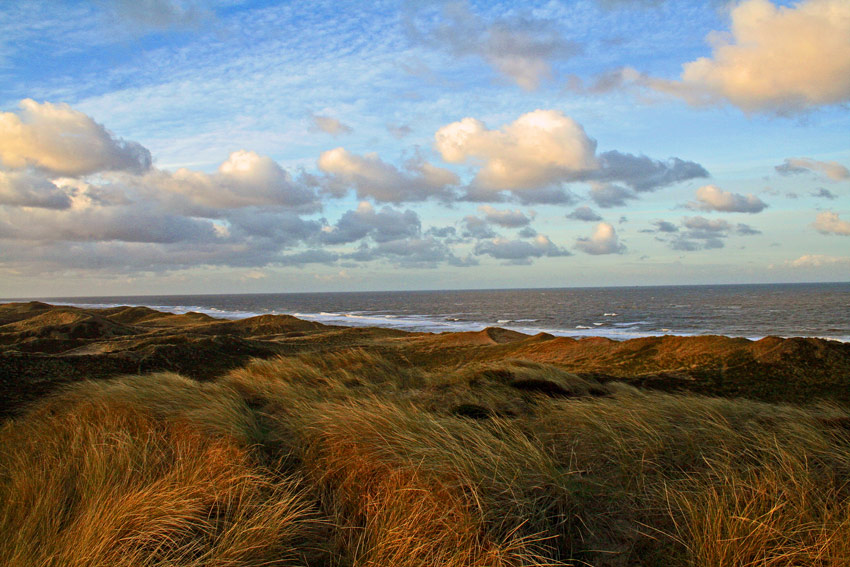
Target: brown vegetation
[[417, 450]]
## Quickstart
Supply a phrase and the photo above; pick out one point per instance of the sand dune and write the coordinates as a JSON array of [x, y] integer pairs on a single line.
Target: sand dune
[[42, 345]]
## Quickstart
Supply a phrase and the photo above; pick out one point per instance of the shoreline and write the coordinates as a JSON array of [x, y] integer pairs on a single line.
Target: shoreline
[[439, 324]]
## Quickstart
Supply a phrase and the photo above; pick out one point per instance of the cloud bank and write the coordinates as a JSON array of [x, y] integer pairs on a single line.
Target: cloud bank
[[535, 155]]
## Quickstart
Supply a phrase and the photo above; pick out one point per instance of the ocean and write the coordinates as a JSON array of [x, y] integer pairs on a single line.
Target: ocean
[[750, 311]]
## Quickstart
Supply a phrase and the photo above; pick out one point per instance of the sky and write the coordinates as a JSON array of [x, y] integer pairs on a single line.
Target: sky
[[238, 146]]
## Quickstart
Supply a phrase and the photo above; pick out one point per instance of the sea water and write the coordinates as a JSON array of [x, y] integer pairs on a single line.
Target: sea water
[[751, 311]]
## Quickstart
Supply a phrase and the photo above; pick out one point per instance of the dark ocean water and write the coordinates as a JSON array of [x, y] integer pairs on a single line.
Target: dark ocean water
[[752, 311]]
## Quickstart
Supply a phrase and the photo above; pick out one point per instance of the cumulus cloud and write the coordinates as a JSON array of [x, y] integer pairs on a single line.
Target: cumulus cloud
[[476, 227], [829, 223], [382, 226], [60, 140], [330, 125], [642, 173], [441, 232], [665, 226], [705, 225], [607, 196], [506, 219], [703, 234], [778, 59], [541, 150], [269, 228], [372, 177], [519, 251], [603, 241], [712, 198], [75, 197], [21, 189], [521, 49], [427, 252], [245, 179], [584, 214], [831, 169], [746, 230], [537, 149]]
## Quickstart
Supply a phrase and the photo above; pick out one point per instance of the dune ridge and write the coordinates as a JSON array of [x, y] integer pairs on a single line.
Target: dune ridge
[[43, 346]]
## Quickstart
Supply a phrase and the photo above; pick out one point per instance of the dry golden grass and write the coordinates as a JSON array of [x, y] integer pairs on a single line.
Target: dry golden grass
[[356, 459], [116, 474]]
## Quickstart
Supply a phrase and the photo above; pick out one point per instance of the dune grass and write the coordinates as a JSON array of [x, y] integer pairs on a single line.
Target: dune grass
[[357, 459]]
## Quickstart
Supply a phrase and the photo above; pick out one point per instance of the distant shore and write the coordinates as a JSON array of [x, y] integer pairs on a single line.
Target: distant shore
[[751, 311]]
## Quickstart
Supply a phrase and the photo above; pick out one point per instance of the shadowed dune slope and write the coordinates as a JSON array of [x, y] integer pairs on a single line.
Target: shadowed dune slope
[[42, 346]]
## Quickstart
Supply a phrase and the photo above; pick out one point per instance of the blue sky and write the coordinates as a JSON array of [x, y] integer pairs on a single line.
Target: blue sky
[[165, 146]]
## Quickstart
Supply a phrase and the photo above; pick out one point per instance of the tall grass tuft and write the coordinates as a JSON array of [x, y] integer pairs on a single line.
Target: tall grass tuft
[[140, 472]]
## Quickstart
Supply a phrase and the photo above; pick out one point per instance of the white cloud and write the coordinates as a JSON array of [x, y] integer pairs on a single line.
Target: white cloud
[[780, 59], [829, 223], [372, 177], [245, 179], [538, 149], [541, 150], [831, 169], [63, 141], [330, 125], [603, 241], [712, 198]]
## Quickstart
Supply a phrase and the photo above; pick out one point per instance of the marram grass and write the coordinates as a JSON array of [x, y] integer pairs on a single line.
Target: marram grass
[[361, 460]]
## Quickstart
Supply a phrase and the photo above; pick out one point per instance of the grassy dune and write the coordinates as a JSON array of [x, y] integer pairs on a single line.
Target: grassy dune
[[356, 458]]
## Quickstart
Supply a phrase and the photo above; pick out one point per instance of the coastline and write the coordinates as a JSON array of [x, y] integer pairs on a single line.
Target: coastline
[[749, 311]]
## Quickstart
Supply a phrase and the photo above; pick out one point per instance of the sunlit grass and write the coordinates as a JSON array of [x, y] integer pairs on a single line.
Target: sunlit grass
[[358, 459]]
